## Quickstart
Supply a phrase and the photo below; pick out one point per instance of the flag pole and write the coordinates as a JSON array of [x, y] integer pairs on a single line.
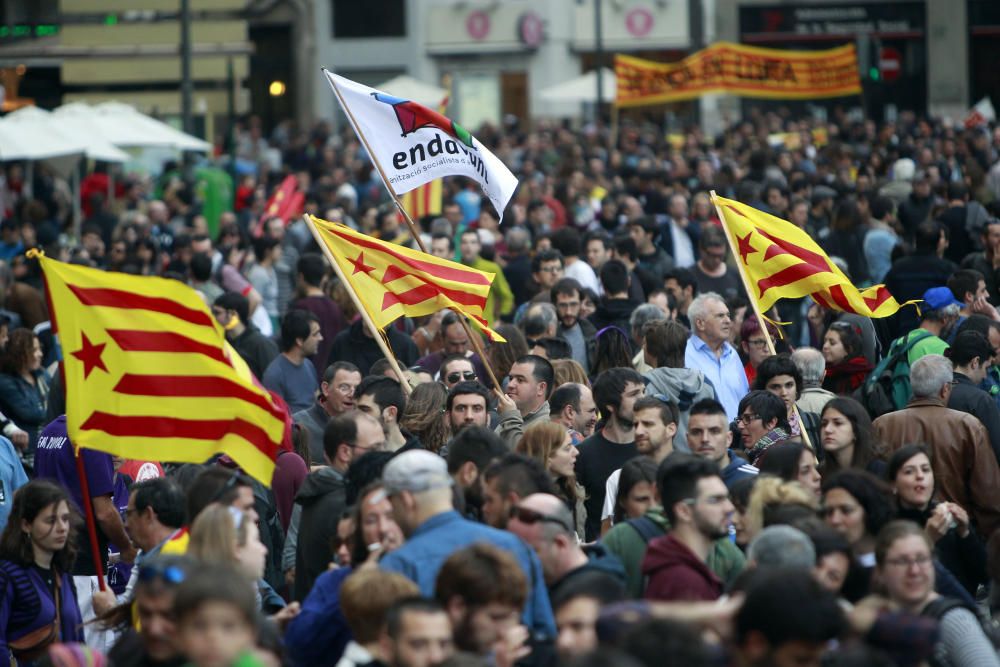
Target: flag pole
[[473, 337], [756, 306], [376, 333]]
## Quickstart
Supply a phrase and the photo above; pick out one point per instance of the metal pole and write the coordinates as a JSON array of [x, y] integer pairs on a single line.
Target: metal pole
[[186, 85], [599, 58]]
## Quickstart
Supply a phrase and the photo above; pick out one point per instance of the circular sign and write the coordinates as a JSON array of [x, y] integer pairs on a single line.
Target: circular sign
[[477, 24], [890, 63], [530, 29], [639, 22]]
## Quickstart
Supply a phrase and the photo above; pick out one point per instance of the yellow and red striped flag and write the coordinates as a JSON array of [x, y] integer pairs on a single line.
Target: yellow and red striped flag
[[392, 281], [781, 261], [149, 374]]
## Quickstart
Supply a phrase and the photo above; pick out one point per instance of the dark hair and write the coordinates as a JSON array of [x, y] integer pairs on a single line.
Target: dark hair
[[312, 267], [927, 236], [677, 479], [900, 457], [502, 356], [963, 282], [782, 460], [20, 346], [685, 278], [850, 337], [331, 370], [380, 367], [364, 471], [825, 539], [614, 350], [666, 341], [521, 474], [410, 605], [669, 413], [437, 236], [385, 391], [614, 277], [262, 245], [477, 444], [211, 582], [634, 471], [164, 496], [625, 245], [707, 406], [543, 257], [871, 493], [541, 371], [567, 241], [462, 388], [213, 485], [879, 207], [340, 430], [566, 394], [482, 574], [609, 387], [767, 406], [29, 501], [977, 322], [786, 604], [647, 224], [591, 585], [565, 287], [969, 346], [652, 639], [163, 568], [295, 326], [235, 302], [775, 365], [866, 447], [201, 267]]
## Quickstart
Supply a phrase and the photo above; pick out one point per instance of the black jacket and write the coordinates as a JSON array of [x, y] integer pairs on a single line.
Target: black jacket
[[353, 345], [323, 499], [968, 397], [256, 349], [614, 312], [908, 279]]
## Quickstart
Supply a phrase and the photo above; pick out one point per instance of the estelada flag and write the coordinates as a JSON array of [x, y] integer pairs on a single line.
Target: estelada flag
[[286, 203], [392, 281], [149, 374], [414, 145], [781, 261]]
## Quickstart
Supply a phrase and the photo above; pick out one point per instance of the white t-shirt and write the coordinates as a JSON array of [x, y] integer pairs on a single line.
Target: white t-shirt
[[610, 495], [582, 273]]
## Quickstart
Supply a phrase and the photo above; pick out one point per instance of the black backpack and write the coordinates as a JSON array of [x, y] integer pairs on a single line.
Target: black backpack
[[940, 606], [887, 389]]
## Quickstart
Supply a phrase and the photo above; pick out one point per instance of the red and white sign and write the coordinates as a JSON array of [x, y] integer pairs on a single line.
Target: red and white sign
[[531, 29], [477, 24], [890, 63], [639, 22]]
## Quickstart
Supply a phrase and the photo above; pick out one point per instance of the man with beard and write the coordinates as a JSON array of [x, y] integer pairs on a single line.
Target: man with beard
[[615, 392], [572, 405], [469, 454], [655, 420], [418, 633], [709, 436], [696, 502], [467, 405], [567, 296]]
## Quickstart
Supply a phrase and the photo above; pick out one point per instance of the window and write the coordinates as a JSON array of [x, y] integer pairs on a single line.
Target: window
[[367, 18]]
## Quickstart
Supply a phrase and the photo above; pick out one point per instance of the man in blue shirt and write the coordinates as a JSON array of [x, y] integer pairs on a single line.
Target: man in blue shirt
[[291, 375], [708, 350], [418, 485]]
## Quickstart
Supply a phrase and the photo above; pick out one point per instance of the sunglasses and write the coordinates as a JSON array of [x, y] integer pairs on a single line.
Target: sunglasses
[[468, 376], [531, 517], [170, 574]]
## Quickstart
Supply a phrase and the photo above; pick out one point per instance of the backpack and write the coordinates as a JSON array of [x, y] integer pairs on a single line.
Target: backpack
[[888, 387], [940, 606], [647, 530]]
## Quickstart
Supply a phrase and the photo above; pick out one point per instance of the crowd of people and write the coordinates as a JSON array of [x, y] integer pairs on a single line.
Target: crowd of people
[[645, 473]]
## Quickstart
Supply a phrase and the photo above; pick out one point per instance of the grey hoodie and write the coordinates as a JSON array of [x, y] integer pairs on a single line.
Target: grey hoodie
[[684, 386]]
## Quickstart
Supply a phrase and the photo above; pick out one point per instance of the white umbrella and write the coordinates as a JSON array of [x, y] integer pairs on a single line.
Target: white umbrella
[[71, 131], [30, 134], [412, 89], [583, 88], [122, 125]]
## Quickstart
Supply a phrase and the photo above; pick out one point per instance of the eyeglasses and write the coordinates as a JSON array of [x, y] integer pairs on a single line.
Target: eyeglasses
[[452, 378], [758, 343], [923, 560], [531, 517], [550, 269], [171, 574], [747, 418]]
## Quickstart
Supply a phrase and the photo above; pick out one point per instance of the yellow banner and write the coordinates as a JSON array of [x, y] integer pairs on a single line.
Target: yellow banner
[[747, 71]]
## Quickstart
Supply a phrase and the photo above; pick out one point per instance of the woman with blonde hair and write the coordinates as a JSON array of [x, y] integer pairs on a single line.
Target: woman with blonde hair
[[569, 370], [773, 497], [423, 415], [224, 534], [549, 443]]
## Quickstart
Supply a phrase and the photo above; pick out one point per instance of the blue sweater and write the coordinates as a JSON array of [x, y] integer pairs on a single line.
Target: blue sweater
[[318, 635]]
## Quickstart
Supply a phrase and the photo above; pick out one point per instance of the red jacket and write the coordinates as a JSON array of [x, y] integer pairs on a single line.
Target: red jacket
[[675, 573]]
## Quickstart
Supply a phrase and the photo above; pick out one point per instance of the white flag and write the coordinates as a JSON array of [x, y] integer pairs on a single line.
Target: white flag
[[981, 114], [415, 145]]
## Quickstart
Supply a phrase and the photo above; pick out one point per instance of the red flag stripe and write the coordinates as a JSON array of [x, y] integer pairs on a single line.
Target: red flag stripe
[[193, 386], [157, 426], [881, 296], [786, 276], [164, 341], [807, 256], [839, 298], [443, 272], [114, 298], [424, 292]]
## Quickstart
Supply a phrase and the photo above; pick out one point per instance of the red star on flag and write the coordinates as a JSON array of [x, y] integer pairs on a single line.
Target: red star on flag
[[745, 248], [90, 355], [360, 266]]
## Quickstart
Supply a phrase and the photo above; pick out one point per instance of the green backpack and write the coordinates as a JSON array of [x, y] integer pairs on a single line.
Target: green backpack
[[887, 388]]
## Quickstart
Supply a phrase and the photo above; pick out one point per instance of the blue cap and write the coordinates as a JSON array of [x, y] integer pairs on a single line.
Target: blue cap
[[939, 297]]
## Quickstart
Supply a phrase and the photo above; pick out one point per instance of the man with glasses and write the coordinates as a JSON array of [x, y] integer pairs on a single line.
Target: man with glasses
[[457, 368], [696, 502], [336, 396], [567, 296], [322, 497], [453, 343], [710, 271], [418, 485], [546, 524], [763, 422], [708, 350]]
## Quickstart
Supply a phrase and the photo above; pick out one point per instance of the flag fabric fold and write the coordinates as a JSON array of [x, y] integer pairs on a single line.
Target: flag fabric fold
[[392, 281], [149, 374], [414, 145], [781, 261], [286, 202]]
